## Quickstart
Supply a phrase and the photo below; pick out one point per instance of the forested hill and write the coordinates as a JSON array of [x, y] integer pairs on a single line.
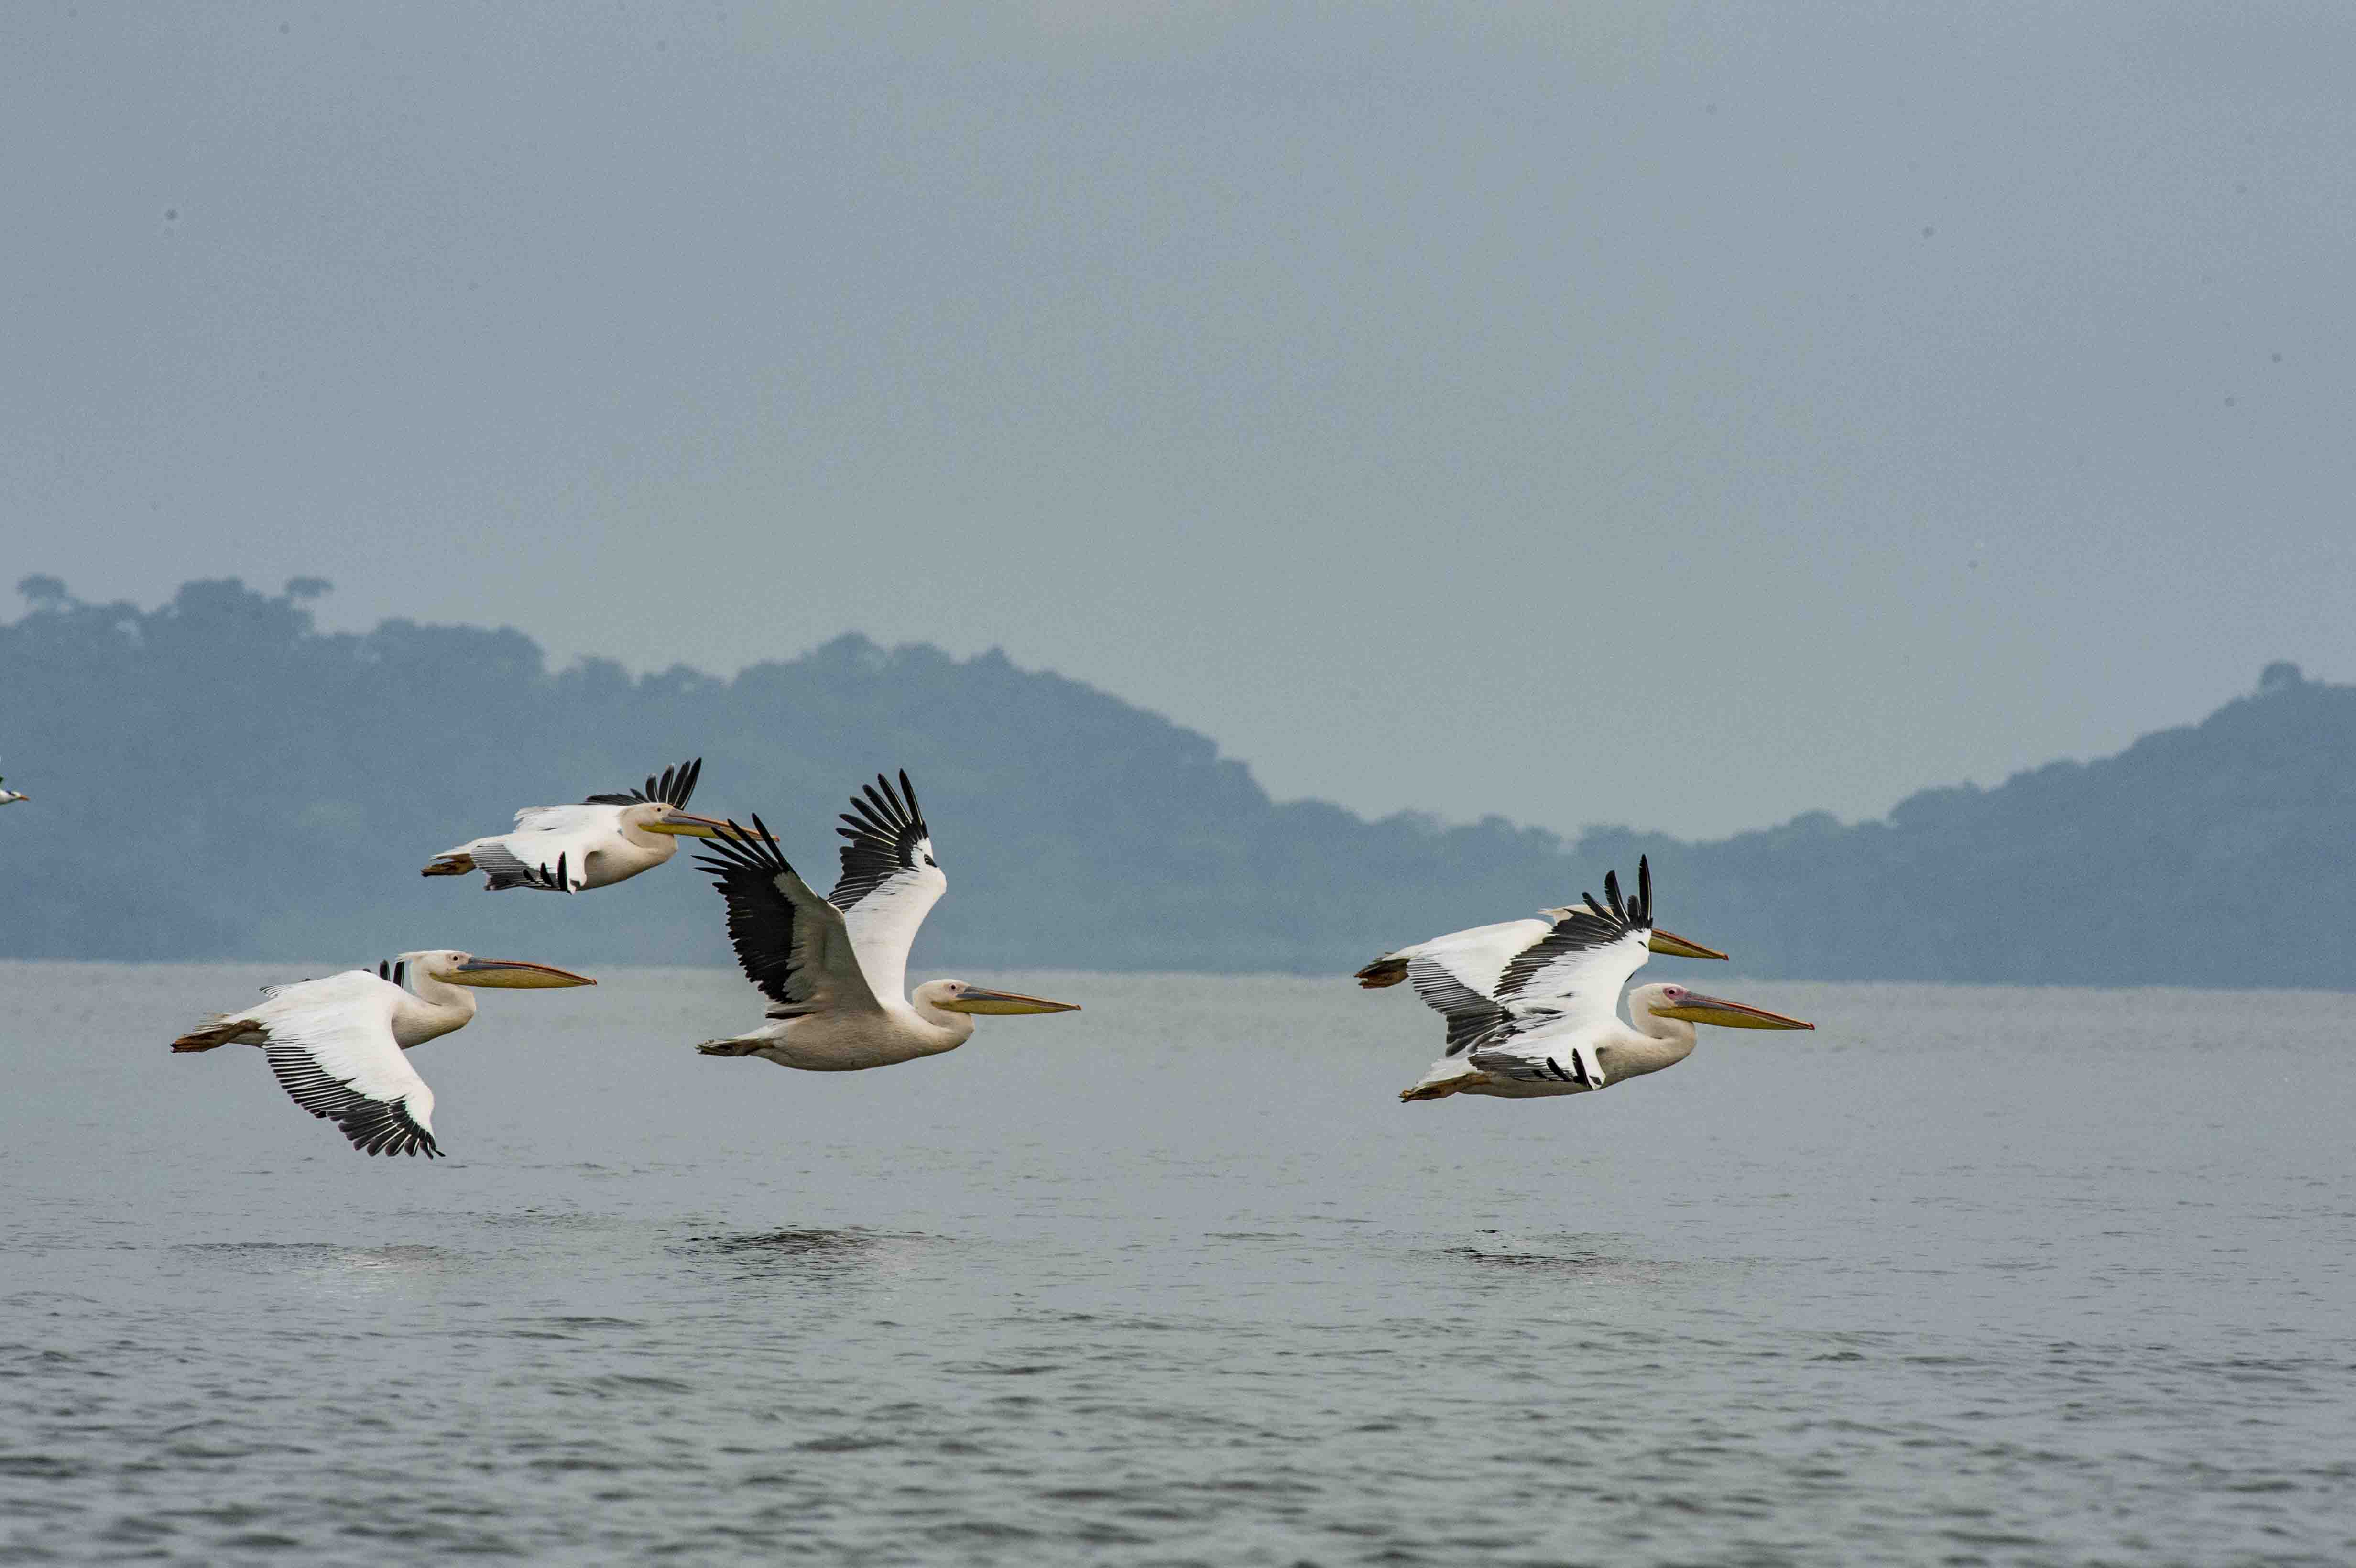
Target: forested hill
[[215, 778]]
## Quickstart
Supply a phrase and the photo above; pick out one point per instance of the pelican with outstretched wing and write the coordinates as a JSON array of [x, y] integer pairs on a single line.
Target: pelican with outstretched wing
[[335, 1044], [1468, 976], [606, 838], [1548, 1023], [833, 967]]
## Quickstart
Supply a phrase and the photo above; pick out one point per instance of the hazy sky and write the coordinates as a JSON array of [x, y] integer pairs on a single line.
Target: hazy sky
[[1682, 416]]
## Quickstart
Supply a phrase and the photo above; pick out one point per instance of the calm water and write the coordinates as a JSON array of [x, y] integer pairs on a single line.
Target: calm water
[[1967, 1277]]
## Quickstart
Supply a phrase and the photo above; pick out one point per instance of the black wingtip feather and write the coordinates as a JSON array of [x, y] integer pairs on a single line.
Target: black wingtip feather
[[674, 786], [1596, 925], [882, 831]]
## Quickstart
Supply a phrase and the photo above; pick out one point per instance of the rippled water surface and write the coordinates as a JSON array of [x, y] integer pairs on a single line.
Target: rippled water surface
[[1967, 1276]]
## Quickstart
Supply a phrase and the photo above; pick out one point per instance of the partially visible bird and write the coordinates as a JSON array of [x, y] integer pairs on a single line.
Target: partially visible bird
[[833, 968], [1478, 957], [606, 838], [10, 796], [335, 1044]]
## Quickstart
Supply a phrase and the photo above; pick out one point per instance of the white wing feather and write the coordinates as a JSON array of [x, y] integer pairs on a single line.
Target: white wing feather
[[890, 881], [544, 833], [331, 1045], [1582, 987], [884, 923], [1478, 956], [569, 819]]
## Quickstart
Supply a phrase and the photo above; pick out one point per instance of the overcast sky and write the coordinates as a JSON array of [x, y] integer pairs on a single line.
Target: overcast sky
[[1682, 416]]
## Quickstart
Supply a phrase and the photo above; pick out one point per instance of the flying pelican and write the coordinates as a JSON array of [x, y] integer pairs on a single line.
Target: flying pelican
[[10, 796], [1558, 1002], [336, 1043], [605, 839], [833, 967]]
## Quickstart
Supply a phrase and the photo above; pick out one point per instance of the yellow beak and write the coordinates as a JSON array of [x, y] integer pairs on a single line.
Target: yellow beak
[[1676, 946], [686, 824], [976, 1000], [513, 975], [1728, 1015]]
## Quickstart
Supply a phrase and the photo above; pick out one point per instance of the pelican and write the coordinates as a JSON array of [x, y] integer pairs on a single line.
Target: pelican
[[1551, 1025], [607, 838], [10, 796], [335, 1044], [1463, 974], [833, 967]]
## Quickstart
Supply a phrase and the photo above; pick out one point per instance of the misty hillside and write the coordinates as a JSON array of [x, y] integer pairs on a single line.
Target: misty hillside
[[215, 778]]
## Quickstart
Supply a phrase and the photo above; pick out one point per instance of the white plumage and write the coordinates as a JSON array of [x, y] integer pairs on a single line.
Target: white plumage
[[335, 1044], [605, 839], [834, 968], [1532, 1005]]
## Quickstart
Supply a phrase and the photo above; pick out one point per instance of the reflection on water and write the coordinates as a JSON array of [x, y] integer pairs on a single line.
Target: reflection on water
[[814, 1251], [326, 1259]]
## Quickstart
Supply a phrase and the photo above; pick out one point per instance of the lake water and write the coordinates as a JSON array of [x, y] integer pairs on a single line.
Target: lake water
[[1969, 1275]]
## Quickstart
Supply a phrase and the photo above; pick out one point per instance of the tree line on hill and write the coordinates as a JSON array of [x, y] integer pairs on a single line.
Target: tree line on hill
[[216, 778]]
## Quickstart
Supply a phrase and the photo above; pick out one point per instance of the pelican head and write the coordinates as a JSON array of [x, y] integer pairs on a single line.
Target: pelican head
[[504, 974], [958, 997], [1677, 1002]]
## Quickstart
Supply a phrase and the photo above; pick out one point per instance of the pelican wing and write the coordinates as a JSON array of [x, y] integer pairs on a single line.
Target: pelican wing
[[1551, 1056], [1477, 956], [793, 944], [890, 880], [588, 822], [330, 1044], [673, 788], [545, 836], [1472, 1016], [1579, 967]]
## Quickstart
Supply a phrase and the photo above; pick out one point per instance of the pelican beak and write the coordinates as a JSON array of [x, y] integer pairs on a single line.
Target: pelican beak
[[1676, 946], [686, 824], [1727, 1015], [513, 975], [976, 1000]]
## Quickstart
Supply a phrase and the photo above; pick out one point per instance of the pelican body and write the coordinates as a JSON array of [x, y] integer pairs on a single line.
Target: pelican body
[[834, 968], [10, 796], [335, 1044], [1577, 1056], [606, 838], [1532, 1006]]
